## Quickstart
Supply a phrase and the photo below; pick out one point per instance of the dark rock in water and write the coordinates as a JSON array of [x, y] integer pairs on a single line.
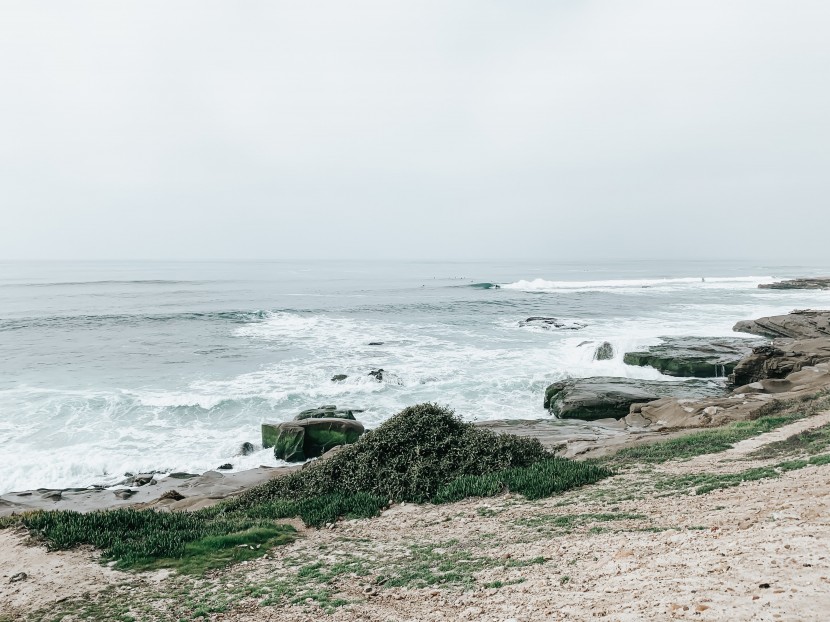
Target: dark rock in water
[[143, 479], [552, 322], [175, 495], [339, 377], [779, 359], [330, 412], [378, 374], [819, 282], [605, 352], [375, 343], [608, 397], [296, 441], [694, 357], [246, 449], [225, 467], [124, 493], [805, 324]]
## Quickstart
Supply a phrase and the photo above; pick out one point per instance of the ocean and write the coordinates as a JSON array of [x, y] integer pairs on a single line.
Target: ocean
[[115, 367]]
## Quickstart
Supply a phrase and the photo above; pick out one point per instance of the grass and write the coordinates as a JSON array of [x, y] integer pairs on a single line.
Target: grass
[[722, 438], [703, 483], [424, 453], [809, 442]]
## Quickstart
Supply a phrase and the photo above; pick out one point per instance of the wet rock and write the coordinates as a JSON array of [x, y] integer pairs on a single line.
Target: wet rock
[[225, 467], [377, 374], [143, 479], [375, 343], [552, 322], [296, 441], [339, 377], [246, 449], [694, 357], [605, 352], [330, 412], [820, 282], [805, 324], [609, 397]]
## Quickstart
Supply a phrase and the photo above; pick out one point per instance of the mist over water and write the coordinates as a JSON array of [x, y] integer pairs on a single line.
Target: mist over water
[[115, 367]]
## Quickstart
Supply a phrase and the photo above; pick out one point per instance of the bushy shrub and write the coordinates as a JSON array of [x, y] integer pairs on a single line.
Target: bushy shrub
[[407, 458]]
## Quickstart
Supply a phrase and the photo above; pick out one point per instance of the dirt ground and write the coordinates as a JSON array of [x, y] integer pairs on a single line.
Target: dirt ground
[[638, 546]]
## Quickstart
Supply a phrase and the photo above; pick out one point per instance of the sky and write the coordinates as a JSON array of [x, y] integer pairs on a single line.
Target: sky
[[556, 130]]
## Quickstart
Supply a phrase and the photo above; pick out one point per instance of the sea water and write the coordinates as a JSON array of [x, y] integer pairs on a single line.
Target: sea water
[[108, 368]]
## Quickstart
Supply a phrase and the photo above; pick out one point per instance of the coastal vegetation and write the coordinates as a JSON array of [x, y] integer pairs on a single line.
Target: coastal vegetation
[[423, 454]]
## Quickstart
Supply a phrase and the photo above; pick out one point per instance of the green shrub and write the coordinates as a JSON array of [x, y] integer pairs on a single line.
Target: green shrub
[[407, 458]]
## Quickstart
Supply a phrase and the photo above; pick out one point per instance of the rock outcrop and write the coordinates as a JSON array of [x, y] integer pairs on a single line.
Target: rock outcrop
[[327, 412], [693, 357], [295, 441], [590, 399], [746, 402], [819, 282], [805, 324], [780, 358], [604, 352]]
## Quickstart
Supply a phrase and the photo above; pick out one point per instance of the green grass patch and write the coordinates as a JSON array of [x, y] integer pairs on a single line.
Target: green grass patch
[[537, 481], [720, 439], [707, 482], [809, 442]]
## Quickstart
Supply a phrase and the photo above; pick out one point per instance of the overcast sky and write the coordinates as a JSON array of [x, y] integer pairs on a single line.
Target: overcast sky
[[452, 129]]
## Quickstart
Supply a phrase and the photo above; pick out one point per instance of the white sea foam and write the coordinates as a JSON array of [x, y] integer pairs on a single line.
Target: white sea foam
[[487, 369], [542, 285]]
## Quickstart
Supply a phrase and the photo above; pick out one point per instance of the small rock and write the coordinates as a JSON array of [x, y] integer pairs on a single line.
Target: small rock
[[338, 377], [375, 343], [20, 576], [142, 479], [225, 467], [175, 495], [370, 591], [764, 586], [377, 374], [124, 493], [246, 449]]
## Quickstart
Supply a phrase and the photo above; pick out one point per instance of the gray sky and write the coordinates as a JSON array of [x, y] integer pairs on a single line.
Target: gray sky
[[449, 129]]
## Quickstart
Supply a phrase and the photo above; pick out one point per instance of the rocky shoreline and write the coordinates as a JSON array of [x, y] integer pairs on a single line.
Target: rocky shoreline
[[608, 413]]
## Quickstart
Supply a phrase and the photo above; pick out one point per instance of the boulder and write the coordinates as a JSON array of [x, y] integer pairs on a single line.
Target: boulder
[[805, 324], [693, 357], [295, 441], [377, 374], [246, 449], [605, 352], [820, 282], [327, 412], [338, 377], [779, 359], [552, 322], [608, 397]]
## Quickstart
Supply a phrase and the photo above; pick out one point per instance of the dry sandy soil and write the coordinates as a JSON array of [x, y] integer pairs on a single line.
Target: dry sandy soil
[[638, 546]]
